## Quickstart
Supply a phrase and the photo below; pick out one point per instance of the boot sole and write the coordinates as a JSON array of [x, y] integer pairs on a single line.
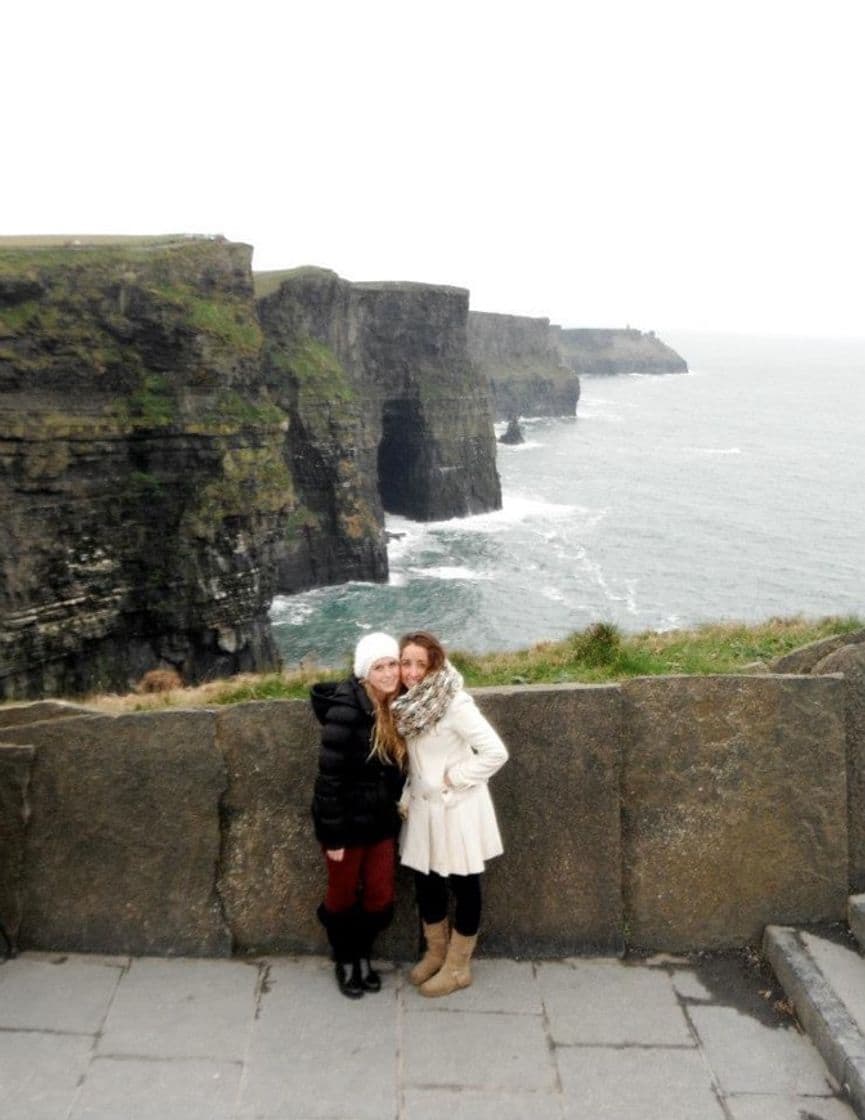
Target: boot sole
[[458, 986]]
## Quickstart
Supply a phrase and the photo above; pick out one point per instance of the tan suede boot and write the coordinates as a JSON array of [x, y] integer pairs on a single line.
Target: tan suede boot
[[455, 972], [436, 936]]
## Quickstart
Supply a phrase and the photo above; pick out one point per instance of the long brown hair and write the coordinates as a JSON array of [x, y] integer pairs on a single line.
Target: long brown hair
[[429, 642], [387, 743]]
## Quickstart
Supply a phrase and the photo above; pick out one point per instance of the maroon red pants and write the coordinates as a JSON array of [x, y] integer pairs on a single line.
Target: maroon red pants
[[365, 873]]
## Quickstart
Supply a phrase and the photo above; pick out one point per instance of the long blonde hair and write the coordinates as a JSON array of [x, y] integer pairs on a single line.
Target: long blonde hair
[[388, 746]]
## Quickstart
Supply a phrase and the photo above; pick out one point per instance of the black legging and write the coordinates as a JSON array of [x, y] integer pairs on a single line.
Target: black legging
[[432, 899]]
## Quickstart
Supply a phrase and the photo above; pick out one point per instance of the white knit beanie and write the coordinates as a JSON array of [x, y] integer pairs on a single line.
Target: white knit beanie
[[371, 648]]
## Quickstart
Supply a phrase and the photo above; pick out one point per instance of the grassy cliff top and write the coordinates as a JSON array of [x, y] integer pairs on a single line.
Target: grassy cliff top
[[266, 283], [600, 654], [99, 240]]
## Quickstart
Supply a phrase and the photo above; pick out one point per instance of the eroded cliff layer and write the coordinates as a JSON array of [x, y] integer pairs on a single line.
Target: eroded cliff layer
[[524, 364], [590, 350], [400, 420], [143, 483]]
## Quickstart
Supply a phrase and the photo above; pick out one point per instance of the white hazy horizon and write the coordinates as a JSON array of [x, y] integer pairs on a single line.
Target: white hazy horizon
[[681, 163]]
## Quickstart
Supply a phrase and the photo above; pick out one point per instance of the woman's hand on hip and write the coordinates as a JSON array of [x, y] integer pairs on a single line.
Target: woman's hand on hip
[[335, 854]]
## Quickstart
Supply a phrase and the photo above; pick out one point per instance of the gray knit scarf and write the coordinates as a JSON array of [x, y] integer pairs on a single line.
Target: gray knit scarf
[[420, 709]]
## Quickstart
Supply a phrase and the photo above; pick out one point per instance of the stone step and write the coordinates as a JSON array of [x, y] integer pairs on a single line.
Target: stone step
[[825, 982], [856, 917]]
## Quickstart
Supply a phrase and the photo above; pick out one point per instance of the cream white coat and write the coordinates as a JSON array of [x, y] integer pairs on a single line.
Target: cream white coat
[[451, 828]]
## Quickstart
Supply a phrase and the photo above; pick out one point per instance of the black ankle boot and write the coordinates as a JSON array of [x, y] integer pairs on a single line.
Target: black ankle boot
[[371, 923], [349, 980], [370, 979]]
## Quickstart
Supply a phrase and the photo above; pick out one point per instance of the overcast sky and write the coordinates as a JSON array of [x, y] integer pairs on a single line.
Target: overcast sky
[[660, 163]]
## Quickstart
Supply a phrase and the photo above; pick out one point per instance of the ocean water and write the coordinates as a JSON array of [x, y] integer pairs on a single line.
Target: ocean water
[[732, 492]]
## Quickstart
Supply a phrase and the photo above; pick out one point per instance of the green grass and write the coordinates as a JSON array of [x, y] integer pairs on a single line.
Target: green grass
[[317, 371], [150, 406], [598, 654], [266, 283], [273, 686], [227, 320], [602, 653]]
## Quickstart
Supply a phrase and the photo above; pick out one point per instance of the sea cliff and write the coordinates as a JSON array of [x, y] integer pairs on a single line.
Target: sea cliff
[[418, 420], [174, 452], [593, 350], [522, 358], [180, 441], [142, 480]]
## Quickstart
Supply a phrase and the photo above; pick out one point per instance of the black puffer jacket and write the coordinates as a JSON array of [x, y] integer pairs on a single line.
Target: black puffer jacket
[[355, 798]]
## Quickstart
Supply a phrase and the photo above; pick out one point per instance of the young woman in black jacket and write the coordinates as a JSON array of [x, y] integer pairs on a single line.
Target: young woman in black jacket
[[355, 807]]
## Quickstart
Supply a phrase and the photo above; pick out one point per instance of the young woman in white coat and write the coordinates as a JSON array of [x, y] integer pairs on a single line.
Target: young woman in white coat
[[450, 826]]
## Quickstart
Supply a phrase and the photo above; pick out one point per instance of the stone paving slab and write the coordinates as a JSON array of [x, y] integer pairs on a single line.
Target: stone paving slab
[[761, 1106], [471, 1104], [637, 1083], [499, 985], [748, 1058], [143, 1089], [608, 1003], [39, 1073], [313, 1053], [273, 1039], [182, 1009], [58, 993], [476, 1050]]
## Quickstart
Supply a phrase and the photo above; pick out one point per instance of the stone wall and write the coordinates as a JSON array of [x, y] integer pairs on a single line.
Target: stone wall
[[843, 654], [725, 816], [666, 813]]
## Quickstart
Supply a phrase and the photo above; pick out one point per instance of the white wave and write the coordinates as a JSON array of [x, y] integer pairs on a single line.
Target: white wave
[[596, 411], [597, 574], [543, 421], [296, 610], [401, 529], [449, 571], [715, 450], [553, 594], [526, 445], [521, 507], [404, 536], [290, 610], [516, 508]]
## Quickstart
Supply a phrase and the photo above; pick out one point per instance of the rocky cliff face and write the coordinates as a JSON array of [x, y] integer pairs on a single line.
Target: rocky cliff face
[[618, 351], [400, 411], [332, 438], [172, 455], [143, 484], [523, 362]]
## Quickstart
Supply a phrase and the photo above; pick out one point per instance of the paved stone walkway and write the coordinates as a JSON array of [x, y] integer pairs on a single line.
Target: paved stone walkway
[[111, 1038]]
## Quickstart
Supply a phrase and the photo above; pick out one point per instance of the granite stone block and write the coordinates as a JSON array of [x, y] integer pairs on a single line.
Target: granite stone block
[[734, 807]]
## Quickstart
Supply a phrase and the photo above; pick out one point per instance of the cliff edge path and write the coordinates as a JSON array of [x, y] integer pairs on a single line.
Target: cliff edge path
[[85, 1037]]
